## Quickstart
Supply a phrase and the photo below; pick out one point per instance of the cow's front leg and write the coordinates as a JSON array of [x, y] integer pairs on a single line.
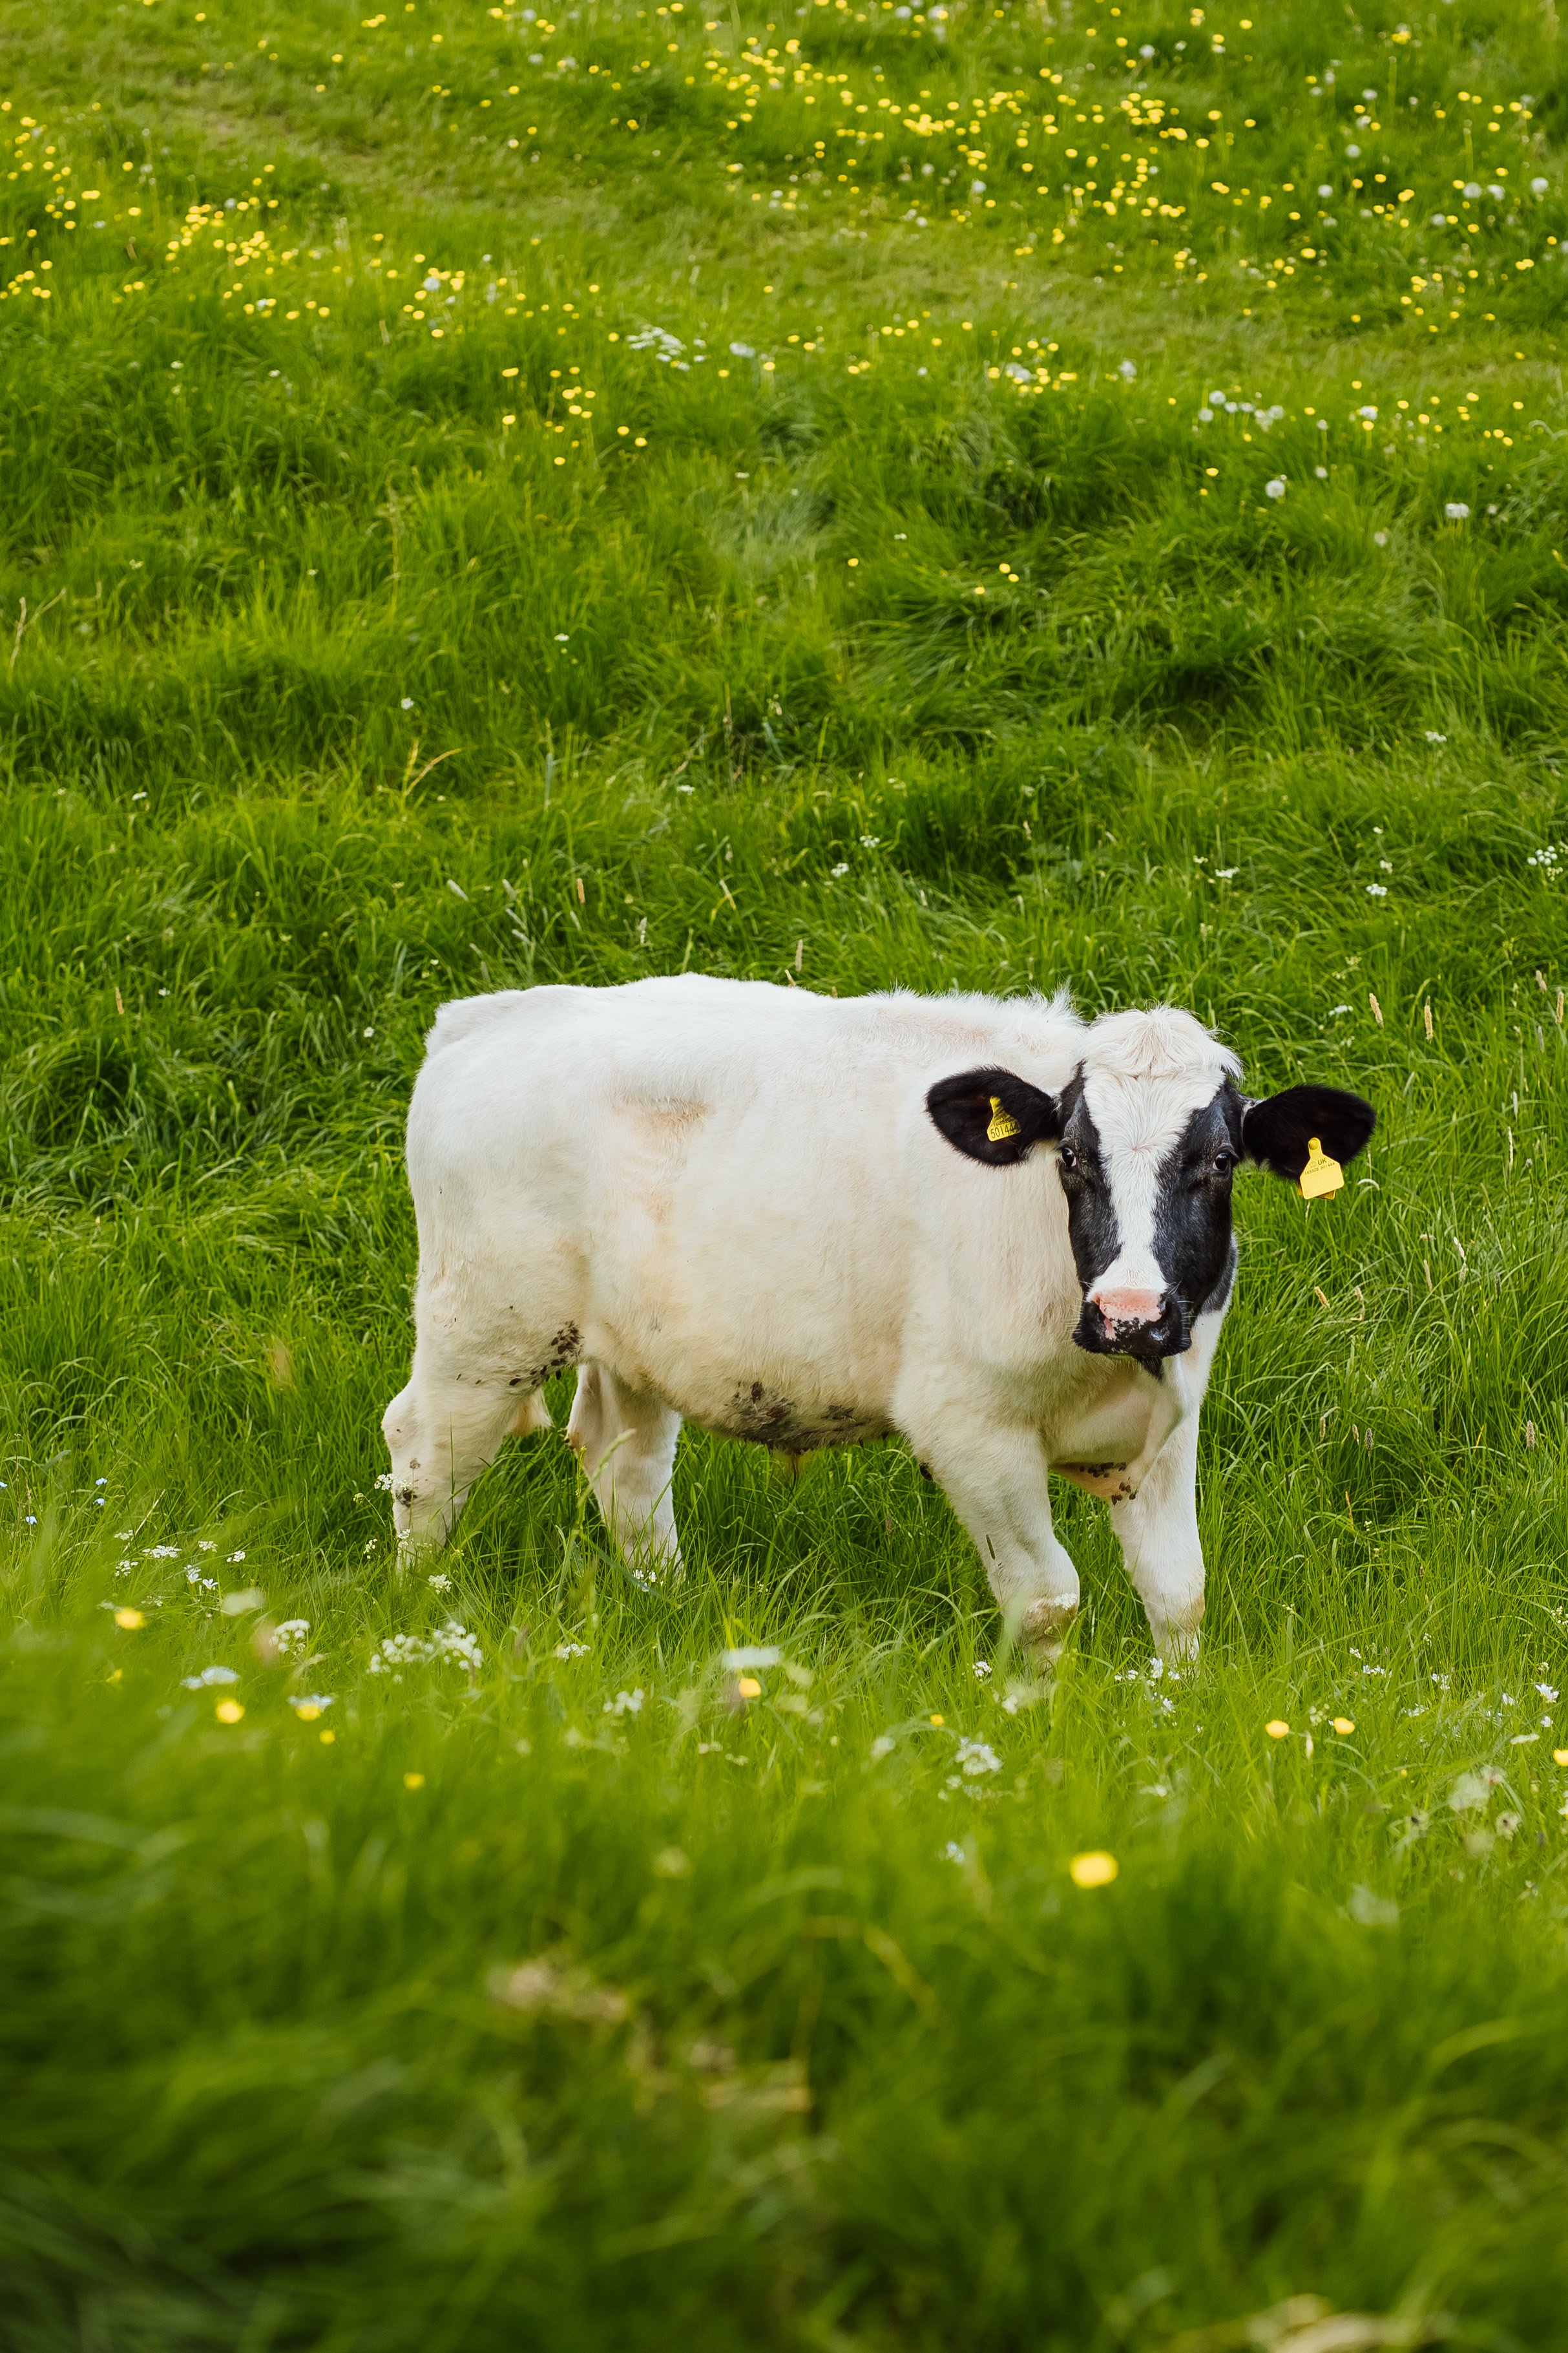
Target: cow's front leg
[[1158, 1532], [996, 1480]]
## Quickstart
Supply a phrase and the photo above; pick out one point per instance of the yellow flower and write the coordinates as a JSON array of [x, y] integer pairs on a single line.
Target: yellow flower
[[228, 1711], [748, 1687], [305, 1712], [1277, 1728], [130, 1619], [1096, 1869], [1559, 1756], [1343, 1723], [939, 1720], [414, 1780], [327, 1738]]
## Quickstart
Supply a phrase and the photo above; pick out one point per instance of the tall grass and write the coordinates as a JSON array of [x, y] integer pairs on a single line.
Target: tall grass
[[913, 608]]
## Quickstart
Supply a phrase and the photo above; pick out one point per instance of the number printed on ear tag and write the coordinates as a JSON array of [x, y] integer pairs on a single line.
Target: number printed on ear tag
[[1321, 1175], [1002, 1124]]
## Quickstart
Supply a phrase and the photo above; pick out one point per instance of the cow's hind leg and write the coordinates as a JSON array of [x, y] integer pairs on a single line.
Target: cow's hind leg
[[450, 1421], [627, 1438]]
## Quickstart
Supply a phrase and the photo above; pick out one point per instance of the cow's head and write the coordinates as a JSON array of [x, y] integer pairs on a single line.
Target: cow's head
[[1148, 1134]]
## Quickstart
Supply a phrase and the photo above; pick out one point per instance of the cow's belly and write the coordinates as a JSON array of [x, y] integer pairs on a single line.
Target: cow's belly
[[790, 1423], [1105, 1440]]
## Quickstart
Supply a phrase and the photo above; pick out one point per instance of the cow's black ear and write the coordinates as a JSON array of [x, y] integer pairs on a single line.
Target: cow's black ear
[[991, 1115], [1277, 1132]]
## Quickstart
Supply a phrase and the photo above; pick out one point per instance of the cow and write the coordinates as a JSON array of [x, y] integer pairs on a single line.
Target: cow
[[984, 1224]]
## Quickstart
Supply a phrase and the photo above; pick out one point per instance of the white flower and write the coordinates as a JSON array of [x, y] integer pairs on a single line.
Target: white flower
[[208, 1675], [870, 841], [438, 1584], [1434, 737], [1324, 189], [233, 1556], [1377, 890], [205, 1544], [1457, 510], [1226, 874], [1546, 1691], [749, 1655], [1321, 472], [1369, 412], [571, 1650], [1205, 417], [977, 187], [292, 1635], [383, 1481], [1276, 489], [624, 1703], [452, 1640], [1472, 189], [883, 1745], [974, 1757], [1127, 370], [1539, 187], [954, 1852], [981, 1670], [1335, 1010], [1547, 859], [407, 704], [161, 1552], [743, 350], [1380, 539], [838, 870], [315, 1703]]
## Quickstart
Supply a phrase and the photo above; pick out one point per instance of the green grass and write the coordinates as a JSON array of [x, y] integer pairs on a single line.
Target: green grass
[[345, 667]]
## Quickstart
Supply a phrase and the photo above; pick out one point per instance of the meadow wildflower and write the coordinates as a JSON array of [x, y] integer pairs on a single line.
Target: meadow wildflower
[[1094, 1869]]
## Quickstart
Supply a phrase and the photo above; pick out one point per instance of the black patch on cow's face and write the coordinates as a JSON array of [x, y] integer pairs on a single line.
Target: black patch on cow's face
[[1091, 1218], [1277, 1132], [1192, 1206], [965, 1108]]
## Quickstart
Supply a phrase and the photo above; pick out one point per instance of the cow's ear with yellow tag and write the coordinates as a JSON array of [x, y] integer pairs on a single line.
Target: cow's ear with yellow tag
[[1321, 1175], [992, 1115], [1306, 1135]]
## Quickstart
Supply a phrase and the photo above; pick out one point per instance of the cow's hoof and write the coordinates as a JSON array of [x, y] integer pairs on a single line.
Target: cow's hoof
[[1042, 1627]]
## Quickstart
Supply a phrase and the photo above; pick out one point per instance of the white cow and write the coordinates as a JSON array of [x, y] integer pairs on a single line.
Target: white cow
[[806, 1220]]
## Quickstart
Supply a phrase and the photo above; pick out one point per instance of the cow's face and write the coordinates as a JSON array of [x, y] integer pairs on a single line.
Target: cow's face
[[1146, 1163]]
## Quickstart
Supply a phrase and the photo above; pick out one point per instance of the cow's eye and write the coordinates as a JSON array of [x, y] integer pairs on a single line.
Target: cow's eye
[[1067, 1159], [1224, 1162]]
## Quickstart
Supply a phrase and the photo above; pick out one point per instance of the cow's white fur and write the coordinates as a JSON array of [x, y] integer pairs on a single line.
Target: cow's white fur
[[722, 1197]]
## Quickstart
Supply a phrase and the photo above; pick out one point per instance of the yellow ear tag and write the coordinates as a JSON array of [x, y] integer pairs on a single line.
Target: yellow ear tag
[[1002, 1124], [1320, 1176]]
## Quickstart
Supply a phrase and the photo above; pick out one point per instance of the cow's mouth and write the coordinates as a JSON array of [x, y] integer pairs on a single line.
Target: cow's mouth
[[1147, 1343]]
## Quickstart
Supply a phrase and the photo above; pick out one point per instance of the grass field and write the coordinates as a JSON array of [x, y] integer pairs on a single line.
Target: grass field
[[468, 520]]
